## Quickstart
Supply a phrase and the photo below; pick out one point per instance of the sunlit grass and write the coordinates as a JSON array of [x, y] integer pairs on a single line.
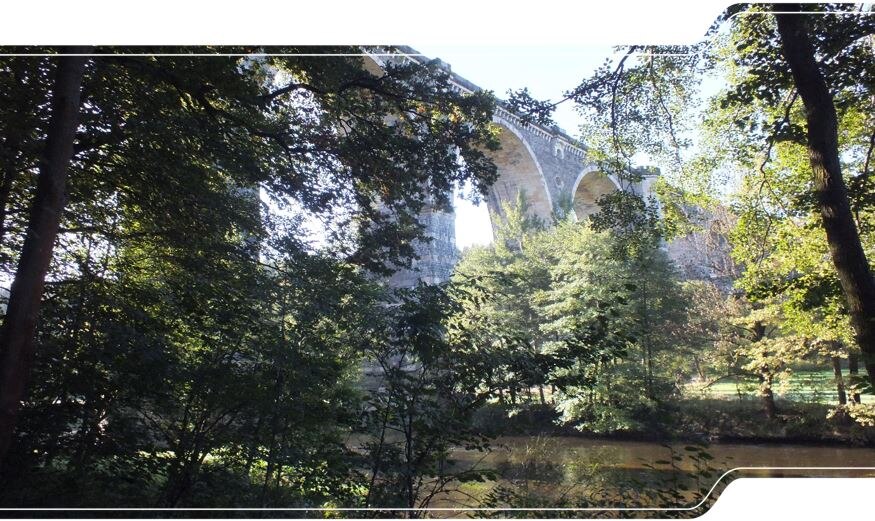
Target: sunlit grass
[[802, 386]]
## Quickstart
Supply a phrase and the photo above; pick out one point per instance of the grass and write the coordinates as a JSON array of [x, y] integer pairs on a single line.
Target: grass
[[802, 386]]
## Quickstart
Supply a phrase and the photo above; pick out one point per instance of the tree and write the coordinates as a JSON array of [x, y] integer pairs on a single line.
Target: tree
[[593, 312], [165, 147], [24, 109], [768, 354], [434, 375], [781, 237], [515, 273], [614, 302], [16, 336], [848, 256], [643, 103]]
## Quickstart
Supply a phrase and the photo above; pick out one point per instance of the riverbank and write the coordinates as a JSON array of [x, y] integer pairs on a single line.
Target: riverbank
[[698, 420]]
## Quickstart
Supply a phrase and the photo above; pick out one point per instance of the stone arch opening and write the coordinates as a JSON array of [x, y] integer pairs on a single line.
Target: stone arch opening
[[518, 171], [590, 186]]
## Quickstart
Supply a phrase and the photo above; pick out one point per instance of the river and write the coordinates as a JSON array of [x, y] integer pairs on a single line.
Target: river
[[575, 451], [560, 464]]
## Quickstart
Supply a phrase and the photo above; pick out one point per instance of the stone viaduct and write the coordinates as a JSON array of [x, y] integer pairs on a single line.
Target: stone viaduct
[[544, 163]]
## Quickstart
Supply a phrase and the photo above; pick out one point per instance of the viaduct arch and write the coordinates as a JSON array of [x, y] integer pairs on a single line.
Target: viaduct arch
[[543, 163]]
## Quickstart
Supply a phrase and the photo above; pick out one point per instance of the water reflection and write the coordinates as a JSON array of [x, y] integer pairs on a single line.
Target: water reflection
[[579, 471]]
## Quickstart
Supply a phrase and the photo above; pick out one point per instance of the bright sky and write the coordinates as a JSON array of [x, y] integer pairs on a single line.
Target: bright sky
[[547, 71]]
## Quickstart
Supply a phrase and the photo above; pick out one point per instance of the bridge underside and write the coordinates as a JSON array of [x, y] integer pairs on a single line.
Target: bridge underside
[[518, 175], [591, 187], [547, 170]]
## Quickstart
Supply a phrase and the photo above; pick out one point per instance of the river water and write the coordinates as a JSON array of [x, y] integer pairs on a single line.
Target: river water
[[561, 463], [631, 455]]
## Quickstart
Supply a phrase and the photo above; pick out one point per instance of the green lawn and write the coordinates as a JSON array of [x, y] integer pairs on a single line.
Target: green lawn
[[803, 386]]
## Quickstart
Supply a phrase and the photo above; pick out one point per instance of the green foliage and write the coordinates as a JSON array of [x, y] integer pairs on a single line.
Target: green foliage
[[199, 344], [756, 128], [325, 135], [230, 363], [744, 147], [214, 296], [591, 312], [429, 383]]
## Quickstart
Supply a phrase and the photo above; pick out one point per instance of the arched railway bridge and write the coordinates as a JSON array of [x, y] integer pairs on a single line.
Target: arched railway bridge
[[544, 163]]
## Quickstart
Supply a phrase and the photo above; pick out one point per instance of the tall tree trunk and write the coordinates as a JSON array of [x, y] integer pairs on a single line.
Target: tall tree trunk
[[840, 383], [648, 350], [768, 397], [16, 338], [697, 366], [252, 449], [847, 252], [649, 354], [268, 472], [854, 370]]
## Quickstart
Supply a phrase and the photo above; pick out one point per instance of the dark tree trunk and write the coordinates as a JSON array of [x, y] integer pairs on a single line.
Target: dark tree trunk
[[181, 480], [840, 383], [697, 366], [16, 338], [268, 472], [252, 449], [648, 350], [854, 370], [650, 394], [768, 398], [847, 252]]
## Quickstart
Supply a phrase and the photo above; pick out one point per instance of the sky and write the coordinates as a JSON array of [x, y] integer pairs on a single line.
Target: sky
[[546, 70]]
